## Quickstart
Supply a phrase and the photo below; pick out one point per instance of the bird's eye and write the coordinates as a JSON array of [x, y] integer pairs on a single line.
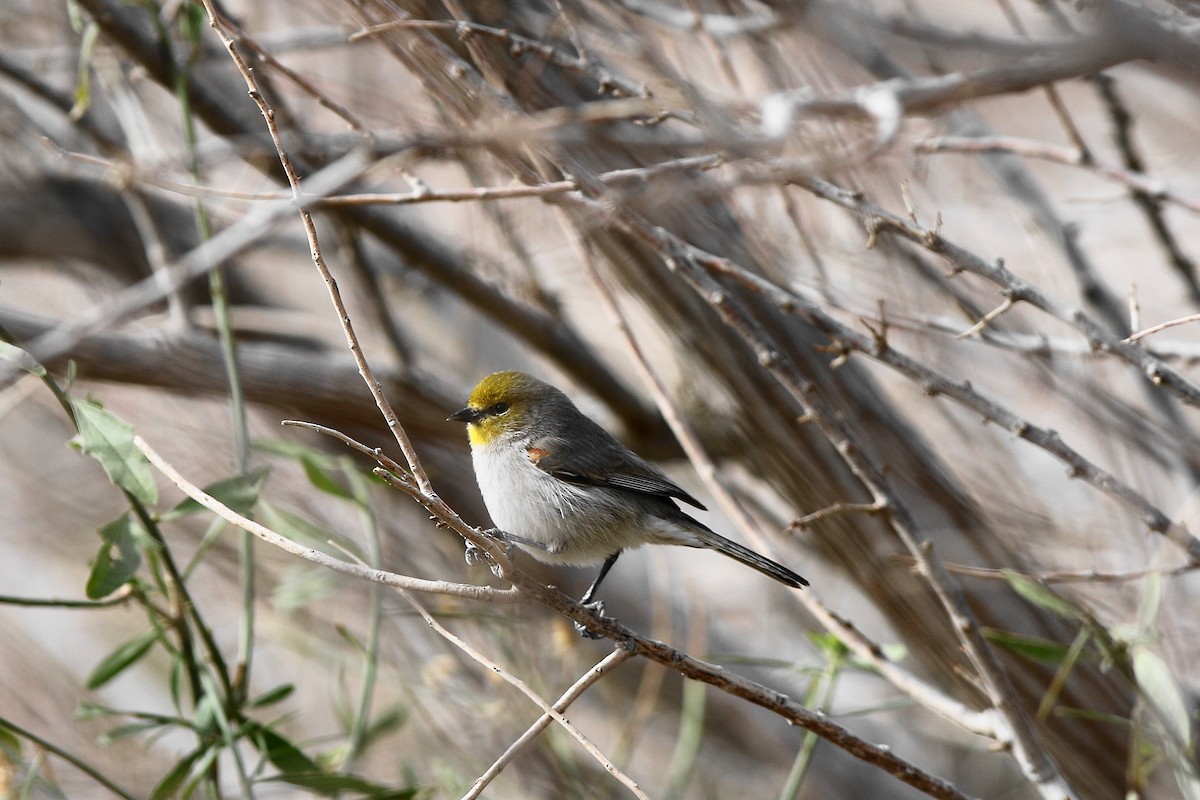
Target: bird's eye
[[498, 408]]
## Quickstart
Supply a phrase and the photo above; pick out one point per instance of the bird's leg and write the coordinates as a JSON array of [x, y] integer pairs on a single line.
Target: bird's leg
[[588, 600]]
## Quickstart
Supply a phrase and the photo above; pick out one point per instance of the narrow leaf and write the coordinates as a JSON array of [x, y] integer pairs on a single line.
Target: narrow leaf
[[121, 659], [327, 783], [1033, 648], [125, 731], [118, 559], [1155, 679], [286, 757], [239, 493], [1041, 596], [22, 359], [1150, 602], [323, 479], [168, 787], [273, 696], [109, 439]]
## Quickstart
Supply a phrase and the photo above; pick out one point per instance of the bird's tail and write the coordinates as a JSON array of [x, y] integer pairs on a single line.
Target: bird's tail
[[751, 559]]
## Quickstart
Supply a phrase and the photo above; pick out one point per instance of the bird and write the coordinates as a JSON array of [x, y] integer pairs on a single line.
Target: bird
[[566, 491]]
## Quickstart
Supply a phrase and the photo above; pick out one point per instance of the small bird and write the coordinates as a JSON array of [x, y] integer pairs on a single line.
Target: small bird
[[567, 492]]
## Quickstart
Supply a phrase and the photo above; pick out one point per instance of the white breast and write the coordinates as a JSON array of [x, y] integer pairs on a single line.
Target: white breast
[[576, 524]]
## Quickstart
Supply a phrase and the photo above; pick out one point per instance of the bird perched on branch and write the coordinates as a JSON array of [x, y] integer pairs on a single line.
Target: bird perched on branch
[[567, 492]]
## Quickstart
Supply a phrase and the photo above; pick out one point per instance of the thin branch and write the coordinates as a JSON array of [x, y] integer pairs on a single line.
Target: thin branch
[[1058, 154], [878, 220], [832, 510], [1148, 202], [609, 82], [521, 686], [395, 475], [227, 33], [610, 662], [1073, 575], [987, 319], [117, 598], [887, 101], [351, 569], [84, 767], [738, 686], [1162, 326]]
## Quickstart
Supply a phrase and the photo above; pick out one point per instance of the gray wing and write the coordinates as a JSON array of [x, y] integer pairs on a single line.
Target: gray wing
[[596, 462]]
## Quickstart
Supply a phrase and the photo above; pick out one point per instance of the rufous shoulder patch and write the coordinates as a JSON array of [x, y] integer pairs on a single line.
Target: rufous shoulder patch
[[536, 454]]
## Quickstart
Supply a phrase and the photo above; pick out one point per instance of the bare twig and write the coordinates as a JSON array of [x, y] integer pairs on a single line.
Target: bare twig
[[610, 662], [739, 686], [316, 556], [1069, 156], [879, 220], [987, 319], [219, 24], [1162, 326], [1074, 575], [521, 686], [609, 82], [837, 508], [1149, 203], [392, 472]]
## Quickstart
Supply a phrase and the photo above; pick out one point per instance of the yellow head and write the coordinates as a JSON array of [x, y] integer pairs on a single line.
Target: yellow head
[[502, 403]]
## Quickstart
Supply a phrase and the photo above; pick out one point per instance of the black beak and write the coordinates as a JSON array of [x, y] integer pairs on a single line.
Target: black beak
[[467, 414]]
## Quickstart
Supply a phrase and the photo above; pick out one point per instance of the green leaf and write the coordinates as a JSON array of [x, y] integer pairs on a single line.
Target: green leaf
[[10, 743], [83, 82], [1034, 648], [239, 493], [302, 585], [1042, 596], [15, 355], [1155, 679], [125, 731], [319, 467], [168, 787], [283, 447], [118, 559], [1150, 602], [393, 719], [298, 528], [273, 696], [829, 644], [331, 783], [109, 439], [121, 659], [323, 479], [286, 757]]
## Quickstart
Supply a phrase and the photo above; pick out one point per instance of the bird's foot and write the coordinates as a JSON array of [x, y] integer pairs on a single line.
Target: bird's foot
[[474, 554], [596, 606]]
